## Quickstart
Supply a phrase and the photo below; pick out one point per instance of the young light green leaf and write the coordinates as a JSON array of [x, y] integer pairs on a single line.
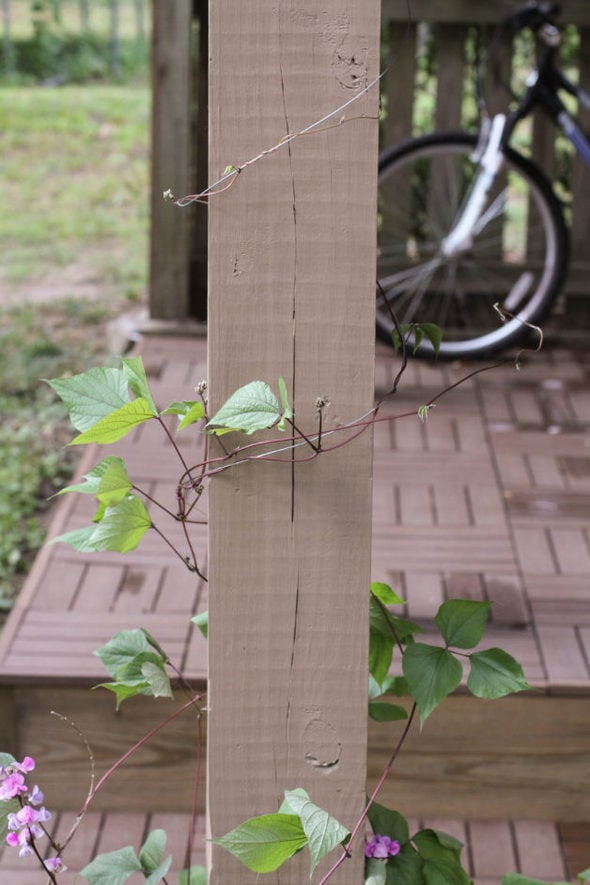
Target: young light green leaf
[[157, 679], [78, 539], [92, 479], [122, 649], [287, 411], [134, 371], [264, 843], [197, 875], [252, 407], [432, 673], [494, 673], [152, 850], [584, 876], [323, 831], [114, 484], [518, 879], [92, 395], [385, 594], [113, 868], [122, 527], [188, 412], [375, 872], [384, 712], [132, 672], [285, 807], [462, 621], [202, 622], [117, 424]]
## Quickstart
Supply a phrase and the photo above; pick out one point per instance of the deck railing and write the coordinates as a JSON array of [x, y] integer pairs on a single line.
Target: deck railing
[[442, 98], [438, 94]]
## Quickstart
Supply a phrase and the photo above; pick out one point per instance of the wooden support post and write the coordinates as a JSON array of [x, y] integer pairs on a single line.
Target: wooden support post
[[169, 240], [291, 293]]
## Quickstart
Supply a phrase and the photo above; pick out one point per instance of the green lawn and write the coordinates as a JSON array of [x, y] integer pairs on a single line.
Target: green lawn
[[73, 162], [74, 172]]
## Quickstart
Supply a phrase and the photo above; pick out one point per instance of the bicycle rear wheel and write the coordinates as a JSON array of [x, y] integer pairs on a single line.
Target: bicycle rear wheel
[[517, 259]]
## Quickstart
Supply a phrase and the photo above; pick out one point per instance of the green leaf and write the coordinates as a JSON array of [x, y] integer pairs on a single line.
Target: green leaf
[[462, 621], [432, 673], [150, 853], [134, 371], [117, 424], [159, 873], [384, 712], [584, 876], [252, 407], [197, 875], [375, 872], [385, 594], [395, 685], [123, 690], [518, 879], [433, 333], [264, 843], [113, 868], [405, 868], [123, 526], [154, 644], [441, 854], [380, 655], [287, 410], [114, 484], [188, 412], [78, 539], [323, 831], [202, 622], [121, 649], [93, 478], [388, 823], [494, 674], [158, 680], [93, 395], [8, 806]]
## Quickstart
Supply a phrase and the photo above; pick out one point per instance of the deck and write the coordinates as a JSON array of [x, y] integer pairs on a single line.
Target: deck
[[489, 498]]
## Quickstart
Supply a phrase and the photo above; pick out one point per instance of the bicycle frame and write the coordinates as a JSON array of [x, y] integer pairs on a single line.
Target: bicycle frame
[[543, 85]]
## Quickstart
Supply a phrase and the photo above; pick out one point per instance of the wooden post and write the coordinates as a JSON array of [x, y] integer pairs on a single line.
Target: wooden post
[[291, 293], [170, 226]]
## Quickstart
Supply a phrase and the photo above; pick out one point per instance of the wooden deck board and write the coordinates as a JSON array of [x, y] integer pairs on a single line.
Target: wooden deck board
[[491, 848]]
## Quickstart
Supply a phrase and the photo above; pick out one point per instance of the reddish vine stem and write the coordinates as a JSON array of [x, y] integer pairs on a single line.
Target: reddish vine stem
[[385, 774]]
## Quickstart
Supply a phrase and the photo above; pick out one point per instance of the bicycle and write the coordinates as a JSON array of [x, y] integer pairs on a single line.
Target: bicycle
[[471, 235]]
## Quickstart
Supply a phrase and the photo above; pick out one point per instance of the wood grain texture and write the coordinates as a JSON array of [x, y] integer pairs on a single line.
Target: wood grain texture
[[291, 277]]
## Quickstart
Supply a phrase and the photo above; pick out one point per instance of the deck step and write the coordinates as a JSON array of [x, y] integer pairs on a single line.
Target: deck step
[[540, 849], [487, 500]]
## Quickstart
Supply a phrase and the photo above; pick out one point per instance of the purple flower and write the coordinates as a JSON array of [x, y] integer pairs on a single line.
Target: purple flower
[[13, 784], [54, 865], [381, 847]]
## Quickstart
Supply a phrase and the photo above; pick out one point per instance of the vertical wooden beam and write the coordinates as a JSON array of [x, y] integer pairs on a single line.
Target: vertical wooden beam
[[291, 293], [450, 73], [399, 102], [169, 240]]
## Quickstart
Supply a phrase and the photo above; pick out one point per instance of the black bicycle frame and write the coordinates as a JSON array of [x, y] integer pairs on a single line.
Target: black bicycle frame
[[544, 84]]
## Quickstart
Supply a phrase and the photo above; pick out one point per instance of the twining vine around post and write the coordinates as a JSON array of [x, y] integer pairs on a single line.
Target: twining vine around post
[[107, 403]]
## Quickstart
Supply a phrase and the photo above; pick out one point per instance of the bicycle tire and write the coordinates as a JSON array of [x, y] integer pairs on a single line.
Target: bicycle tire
[[518, 259]]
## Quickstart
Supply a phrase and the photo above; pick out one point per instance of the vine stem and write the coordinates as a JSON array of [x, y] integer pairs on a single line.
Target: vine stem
[[126, 756], [385, 774]]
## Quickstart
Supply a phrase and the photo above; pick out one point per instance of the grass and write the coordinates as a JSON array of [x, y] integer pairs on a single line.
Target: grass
[[74, 166]]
